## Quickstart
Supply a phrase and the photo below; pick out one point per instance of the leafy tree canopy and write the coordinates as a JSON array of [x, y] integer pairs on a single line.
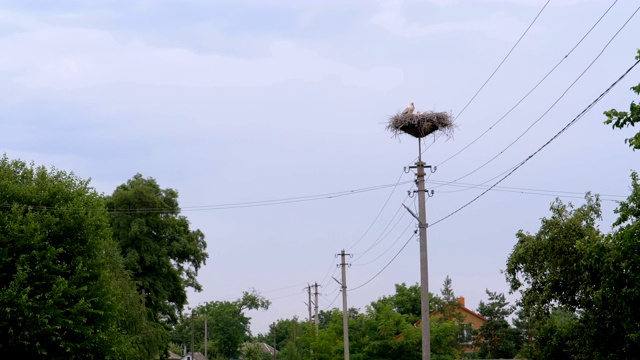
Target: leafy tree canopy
[[159, 249], [622, 119], [570, 266], [227, 324], [63, 290]]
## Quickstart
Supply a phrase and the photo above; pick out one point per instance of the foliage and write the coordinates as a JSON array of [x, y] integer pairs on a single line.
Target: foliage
[[569, 265], [444, 339], [448, 304], [547, 263], [63, 290], [407, 301], [622, 119], [557, 338], [159, 249], [251, 351], [385, 330], [228, 326], [496, 338]]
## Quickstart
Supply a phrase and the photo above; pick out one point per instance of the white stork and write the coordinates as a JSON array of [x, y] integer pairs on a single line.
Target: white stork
[[409, 110]]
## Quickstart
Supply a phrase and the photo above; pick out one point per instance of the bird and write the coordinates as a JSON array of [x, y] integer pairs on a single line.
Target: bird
[[409, 110]]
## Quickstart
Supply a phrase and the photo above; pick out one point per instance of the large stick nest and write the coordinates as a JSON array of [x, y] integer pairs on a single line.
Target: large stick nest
[[421, 124]]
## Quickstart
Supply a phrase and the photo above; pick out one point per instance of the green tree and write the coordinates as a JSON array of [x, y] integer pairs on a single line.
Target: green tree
[[568, 265], [622, 119], [251, 351], [228, 326], [496, 338], [448, 303], [63, 290], [407, 301], [444, 339], [159, 249], [557, 338]]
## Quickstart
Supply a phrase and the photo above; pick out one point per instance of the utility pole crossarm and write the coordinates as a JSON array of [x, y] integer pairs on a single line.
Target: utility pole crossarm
[[420, 223]]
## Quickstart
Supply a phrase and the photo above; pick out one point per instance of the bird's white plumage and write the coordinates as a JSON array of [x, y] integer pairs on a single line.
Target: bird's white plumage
[[409, 109]]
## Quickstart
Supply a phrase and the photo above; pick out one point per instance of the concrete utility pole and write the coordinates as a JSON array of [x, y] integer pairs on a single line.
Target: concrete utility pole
[[191, 334], [274, 341], [345, 309], [424, 260], [206, 336], [309, 304], [316, 306]]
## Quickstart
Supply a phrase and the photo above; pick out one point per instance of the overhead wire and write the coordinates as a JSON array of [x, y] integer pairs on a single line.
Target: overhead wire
[[389, 248], [382, 234], [554, 103], [379, 212], [496, 69], [528, 191], [532, 89], [333, 301], [237, 205], [389, 263], [503, 60], [515, 168]]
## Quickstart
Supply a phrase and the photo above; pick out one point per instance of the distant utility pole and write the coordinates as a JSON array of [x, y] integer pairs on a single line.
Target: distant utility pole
[[206, 335], [191, 334], [274, 341], [309, 303], [316, 305], [345, 309]]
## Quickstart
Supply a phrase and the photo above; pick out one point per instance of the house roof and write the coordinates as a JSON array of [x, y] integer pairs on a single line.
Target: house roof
[[462, 308], [267, 348], [196, 356], [174, 356]]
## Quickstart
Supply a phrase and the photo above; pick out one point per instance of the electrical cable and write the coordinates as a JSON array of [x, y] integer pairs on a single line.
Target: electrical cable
[[389, 263], [334, 300], [382, 236], [379, 213], [389, 248], [248, 204], [554, 103], [283, 288], [532, 89], [571, 123], [503, 60], [329, 271], [557, 193]]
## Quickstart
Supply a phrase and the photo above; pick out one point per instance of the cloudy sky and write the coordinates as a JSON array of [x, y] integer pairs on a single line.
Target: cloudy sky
[[245, 102]]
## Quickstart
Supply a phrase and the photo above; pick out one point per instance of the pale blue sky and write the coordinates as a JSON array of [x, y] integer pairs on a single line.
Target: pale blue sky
[[237, 101]]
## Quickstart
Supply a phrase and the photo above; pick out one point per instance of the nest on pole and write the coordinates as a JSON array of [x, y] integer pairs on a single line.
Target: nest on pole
[[421, 124]]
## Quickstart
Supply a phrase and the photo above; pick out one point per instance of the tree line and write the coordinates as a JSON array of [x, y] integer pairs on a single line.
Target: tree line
[[89, 276]]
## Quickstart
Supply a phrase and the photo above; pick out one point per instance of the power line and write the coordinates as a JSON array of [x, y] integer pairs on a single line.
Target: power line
[[554, 103], [529, 191], [389, 248], [285, 296], [237, 205], [503, 60], [379, 213], [282, 288], [571, 123], [532, 89], [494, 72], [382, 235], [389, 263], [334, 300], [329, 271]]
